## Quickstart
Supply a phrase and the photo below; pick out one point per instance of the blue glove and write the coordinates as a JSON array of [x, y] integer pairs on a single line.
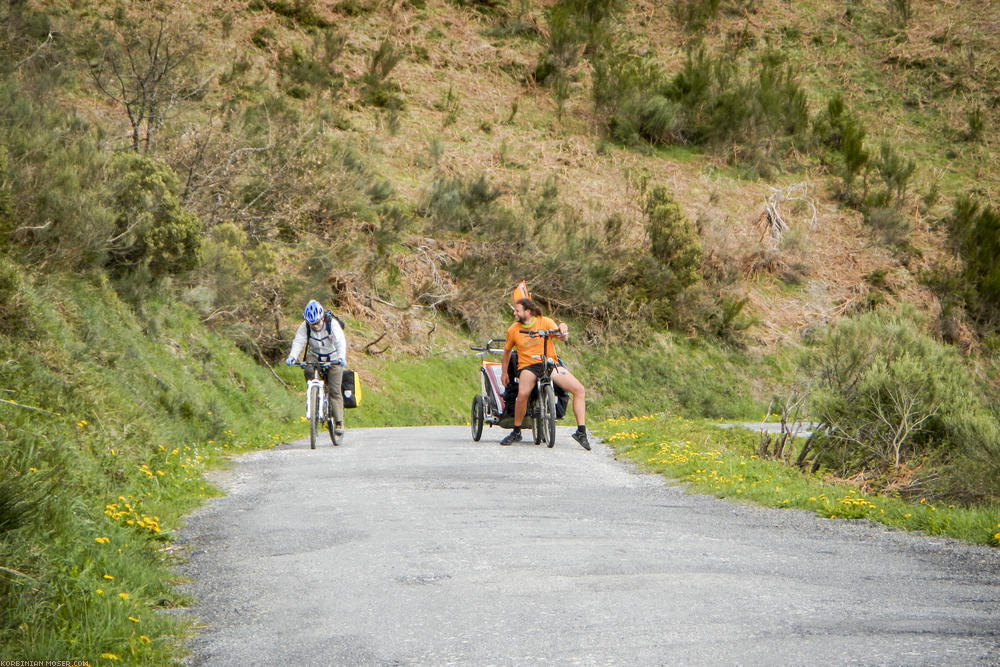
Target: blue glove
[[341, 362], [290, 361]]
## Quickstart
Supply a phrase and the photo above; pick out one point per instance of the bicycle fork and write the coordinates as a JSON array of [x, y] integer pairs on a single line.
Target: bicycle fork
[[323, 398]]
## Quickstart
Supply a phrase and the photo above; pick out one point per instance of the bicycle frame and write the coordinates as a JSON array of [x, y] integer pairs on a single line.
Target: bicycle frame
[[541, 402], [324, 402], [319, 414]]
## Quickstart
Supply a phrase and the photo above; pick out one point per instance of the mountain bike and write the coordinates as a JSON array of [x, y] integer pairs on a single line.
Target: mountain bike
[[317, 403], [542, 403]]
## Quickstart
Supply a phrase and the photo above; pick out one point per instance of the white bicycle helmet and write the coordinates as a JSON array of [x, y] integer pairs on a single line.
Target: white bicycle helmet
[[313, 312]]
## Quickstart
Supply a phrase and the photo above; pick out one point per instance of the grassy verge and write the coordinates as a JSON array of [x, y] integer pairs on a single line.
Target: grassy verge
[[685, 377], [723, 463], [108, 421]]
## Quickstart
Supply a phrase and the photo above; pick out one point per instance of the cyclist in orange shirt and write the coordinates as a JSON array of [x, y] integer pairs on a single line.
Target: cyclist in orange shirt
[[529, 367]]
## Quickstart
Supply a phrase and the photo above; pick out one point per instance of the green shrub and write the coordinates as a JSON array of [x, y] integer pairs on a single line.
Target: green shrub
[[754, 111], [466, 206], [673, 240], [895, 172], [376, 88], [576, 27], [845, 135], [153, 232], [888, 224], [974, 230], [302, 12], [890, 400], [694, 14], [53, 184], [976, 124]]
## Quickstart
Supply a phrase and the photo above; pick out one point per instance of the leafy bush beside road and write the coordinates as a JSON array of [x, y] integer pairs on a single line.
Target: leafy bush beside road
[[894, 404]]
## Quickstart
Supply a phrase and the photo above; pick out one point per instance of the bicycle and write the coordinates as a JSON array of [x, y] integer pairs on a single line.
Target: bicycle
[[317, 403], [542, 402]]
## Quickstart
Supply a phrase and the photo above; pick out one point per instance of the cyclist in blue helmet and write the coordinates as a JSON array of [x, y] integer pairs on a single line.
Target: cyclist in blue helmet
[[322, 337]]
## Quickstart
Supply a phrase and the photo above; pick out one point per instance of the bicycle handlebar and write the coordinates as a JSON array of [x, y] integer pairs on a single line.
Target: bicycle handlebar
[[546, 333], [489, 346], [316, 364]]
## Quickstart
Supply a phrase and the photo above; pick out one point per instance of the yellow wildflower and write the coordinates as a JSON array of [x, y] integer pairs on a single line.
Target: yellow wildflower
[[123, 596], [133, 619], [109, 656], [109, 577], [144, 638], [101, 540]]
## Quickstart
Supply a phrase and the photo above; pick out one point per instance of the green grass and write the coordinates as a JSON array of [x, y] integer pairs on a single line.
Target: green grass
[[686, 377], [403, 392], [723, 463], [109, 421]]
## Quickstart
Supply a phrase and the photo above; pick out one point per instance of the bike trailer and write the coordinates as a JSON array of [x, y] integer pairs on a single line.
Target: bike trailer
[[350, 389], [494, 388]]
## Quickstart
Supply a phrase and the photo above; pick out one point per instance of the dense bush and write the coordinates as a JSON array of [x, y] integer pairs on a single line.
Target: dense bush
[[153, 233], [891, 400], [975, 234], [53, 184], [755, 111]]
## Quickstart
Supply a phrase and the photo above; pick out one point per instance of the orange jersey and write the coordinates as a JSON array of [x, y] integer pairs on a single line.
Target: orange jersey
[[529, 350]]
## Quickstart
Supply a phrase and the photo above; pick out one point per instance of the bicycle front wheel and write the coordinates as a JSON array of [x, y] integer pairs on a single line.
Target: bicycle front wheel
[[314, 409], [549, 415]]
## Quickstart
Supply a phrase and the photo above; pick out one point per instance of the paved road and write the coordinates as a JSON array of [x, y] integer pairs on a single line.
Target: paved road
[[419, 547]]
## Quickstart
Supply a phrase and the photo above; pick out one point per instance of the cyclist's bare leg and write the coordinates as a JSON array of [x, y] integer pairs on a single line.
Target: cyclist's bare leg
[[525, 383], [565, 380]]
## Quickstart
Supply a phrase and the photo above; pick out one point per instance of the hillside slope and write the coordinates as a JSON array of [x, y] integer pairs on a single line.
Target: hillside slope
[[329, 127]]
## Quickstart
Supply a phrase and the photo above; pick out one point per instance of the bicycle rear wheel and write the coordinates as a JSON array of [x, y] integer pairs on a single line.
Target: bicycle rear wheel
[[314, 408], [548, 416], [477, 418], [334, 438]]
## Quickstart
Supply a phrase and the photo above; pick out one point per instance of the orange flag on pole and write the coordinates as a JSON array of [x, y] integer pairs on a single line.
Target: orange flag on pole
[[520, 292]]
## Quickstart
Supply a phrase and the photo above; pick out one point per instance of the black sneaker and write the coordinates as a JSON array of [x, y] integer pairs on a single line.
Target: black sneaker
[[512, 437], [581, 437], [338, 428]]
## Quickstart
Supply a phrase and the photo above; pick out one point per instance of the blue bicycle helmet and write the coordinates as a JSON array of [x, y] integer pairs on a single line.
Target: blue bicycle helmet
[[313, 312]]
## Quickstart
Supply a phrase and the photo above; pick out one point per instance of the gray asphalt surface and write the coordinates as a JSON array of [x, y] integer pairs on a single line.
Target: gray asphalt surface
[[417, 546]]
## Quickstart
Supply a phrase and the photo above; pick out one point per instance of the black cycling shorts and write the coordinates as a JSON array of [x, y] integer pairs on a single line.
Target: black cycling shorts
[[536, 369]]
